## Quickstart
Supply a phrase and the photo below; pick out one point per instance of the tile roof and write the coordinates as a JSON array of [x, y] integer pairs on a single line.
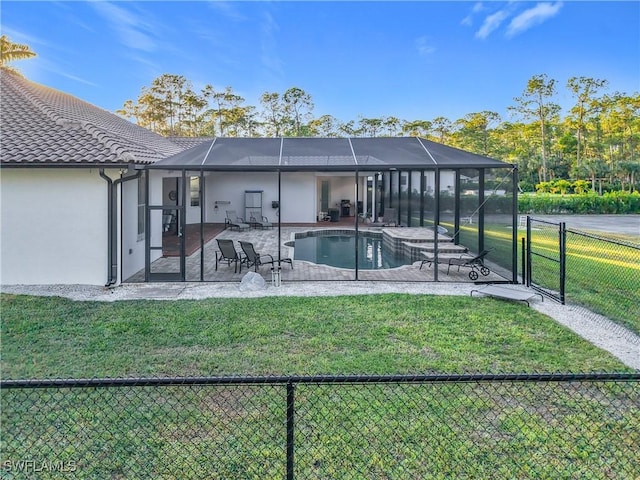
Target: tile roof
[[40, 125], [189, 142]]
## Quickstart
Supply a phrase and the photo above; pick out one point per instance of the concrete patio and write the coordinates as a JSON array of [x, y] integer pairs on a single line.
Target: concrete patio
[[412, 241]]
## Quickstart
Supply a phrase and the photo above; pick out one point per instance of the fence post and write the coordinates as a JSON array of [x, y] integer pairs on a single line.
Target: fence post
[[524, 261], [290, 425], [528, 251], [563, 259]]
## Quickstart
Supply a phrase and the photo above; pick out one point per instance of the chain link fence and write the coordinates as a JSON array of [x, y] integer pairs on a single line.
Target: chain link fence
[[600, 276], [583, 426], [603, 275], [545, 257]]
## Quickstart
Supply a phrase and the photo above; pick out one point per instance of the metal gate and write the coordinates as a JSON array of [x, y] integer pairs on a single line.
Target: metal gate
[[546, 257]]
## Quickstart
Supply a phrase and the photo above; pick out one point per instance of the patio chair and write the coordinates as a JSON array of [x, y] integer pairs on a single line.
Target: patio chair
[[429, 259], [233, 221], [227, 253], [258, 220], [476, 264], [389, 219], [255, 259]]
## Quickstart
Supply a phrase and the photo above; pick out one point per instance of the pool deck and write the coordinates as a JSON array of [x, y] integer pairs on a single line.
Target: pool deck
[[266, 241]]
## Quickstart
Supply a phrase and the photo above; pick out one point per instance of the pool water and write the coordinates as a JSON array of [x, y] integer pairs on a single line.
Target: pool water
[[339, 251]]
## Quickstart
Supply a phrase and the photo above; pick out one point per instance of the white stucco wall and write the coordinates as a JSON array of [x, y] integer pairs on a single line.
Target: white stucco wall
[[298, 195], [299, 198], [54, 226]]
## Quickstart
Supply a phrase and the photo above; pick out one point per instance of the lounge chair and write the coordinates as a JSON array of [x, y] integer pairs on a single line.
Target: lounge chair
[[389, 219], [233, 221], [255, 259], [476, 264], [258, 220], [430, 259], [227, 254]]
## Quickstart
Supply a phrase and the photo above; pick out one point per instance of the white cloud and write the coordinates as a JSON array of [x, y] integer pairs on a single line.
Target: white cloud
[[228, 9], [128, 25], [76, 79], [491, 23], [533, 16], [468, 20], [21, 37], [268, 46], [424, 47]]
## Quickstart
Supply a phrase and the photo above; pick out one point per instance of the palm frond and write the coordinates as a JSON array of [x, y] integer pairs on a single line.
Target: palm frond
[[10, 51]]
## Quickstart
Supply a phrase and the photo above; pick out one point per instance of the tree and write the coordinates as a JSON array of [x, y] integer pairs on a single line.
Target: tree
[[620, 121], [442, 128], [297, 107], [273, 113], [10, 52], [227, 113], [130, 111], [193, 119], [391, 124], [416, 128], [370, 126], [324, 126], [169, 91], [474, 132], [583, 89], [348, 129], [535, 104]]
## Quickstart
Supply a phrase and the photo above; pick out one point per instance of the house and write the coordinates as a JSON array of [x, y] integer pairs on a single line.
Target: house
[[70, 181], [89, 198]]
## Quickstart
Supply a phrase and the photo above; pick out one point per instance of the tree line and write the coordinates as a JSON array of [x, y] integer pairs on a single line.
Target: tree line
[[597, 140]]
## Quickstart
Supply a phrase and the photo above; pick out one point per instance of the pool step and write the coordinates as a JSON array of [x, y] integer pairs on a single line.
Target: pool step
[[413, 250]]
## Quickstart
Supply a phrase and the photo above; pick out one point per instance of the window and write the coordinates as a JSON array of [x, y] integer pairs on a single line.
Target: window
[[142, 193], [194, 190]]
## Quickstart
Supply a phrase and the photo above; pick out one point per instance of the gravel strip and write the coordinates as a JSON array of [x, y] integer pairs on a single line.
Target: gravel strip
[[600, 331]]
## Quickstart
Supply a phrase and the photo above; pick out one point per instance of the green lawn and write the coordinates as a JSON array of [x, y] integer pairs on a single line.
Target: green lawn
[[464, 430], [603, 277], [54, 337]]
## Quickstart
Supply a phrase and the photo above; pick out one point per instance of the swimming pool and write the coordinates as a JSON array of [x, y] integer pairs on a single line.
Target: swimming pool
[[337, 249]]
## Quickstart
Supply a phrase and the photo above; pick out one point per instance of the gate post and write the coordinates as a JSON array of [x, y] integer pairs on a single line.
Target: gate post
[[528, 251], [563, 259]]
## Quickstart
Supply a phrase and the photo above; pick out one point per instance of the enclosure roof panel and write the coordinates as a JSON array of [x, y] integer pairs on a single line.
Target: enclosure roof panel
[[316, 152], [329, 154]]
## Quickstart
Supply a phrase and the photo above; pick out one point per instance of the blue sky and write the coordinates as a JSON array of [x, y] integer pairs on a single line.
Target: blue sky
[[412, 60]]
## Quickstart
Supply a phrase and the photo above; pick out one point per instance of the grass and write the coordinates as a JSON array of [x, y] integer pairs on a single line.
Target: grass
[[462, 430], [54, 337], [601, 276]]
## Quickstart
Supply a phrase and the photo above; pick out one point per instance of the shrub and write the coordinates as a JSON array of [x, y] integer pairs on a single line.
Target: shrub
[[618, 202]]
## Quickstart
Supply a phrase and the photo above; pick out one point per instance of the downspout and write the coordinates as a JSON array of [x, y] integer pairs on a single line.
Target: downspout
[[110, 278]]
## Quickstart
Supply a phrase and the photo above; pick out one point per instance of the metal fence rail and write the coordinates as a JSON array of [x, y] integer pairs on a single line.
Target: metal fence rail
[[353, 427]]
